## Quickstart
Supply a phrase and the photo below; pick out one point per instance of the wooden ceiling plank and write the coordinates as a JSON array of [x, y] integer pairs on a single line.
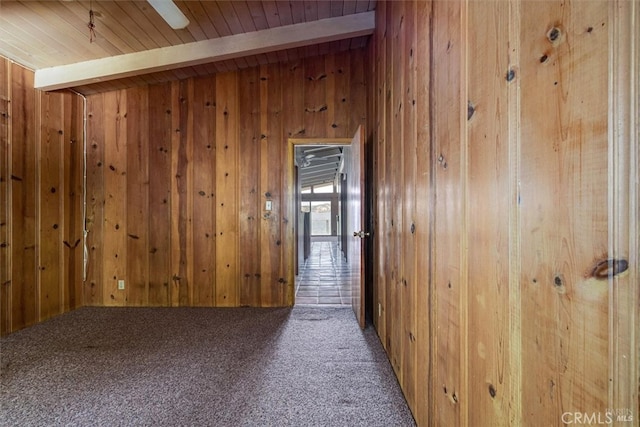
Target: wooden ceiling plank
[[173, 36], [349, 7], [211, 68], [324, 48], [324, 9], [150, 23], [111, 40], [359, 42], [310, 10], [197, 14], [258, 14], [271, 13], [297, 11], [39, 53], [215, 15], [184, 73], [286, 55], [222, 66], [344, 45], [111, 14], [336, 7], [108, 22], [272, 57], [284, 10], [241, 62], [47, 20], [311, 50], [262, 59], [362, 6], [231, 17], [11, 48], [221, 49], [251, 60], [71, 18]]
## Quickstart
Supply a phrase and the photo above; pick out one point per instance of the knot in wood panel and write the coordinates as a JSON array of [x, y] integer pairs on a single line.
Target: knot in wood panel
[[317, 109], [609, 268], [442, 161], [492, 391], [555, 36], [559, 283], [471, 109]]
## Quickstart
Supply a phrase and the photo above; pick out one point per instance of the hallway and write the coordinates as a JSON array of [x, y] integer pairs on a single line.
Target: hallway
[[324, 278]]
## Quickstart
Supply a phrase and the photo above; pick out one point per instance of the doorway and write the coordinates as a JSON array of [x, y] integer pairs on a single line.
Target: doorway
[[323, 275], [349, 175]]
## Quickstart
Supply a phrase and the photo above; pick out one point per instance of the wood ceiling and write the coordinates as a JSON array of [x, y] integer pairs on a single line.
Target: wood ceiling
[[44, 34]]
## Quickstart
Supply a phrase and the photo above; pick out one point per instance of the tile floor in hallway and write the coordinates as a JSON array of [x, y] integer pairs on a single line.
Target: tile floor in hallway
[[324, 278]]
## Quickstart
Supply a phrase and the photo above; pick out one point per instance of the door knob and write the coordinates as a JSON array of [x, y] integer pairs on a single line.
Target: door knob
[[361, 234]]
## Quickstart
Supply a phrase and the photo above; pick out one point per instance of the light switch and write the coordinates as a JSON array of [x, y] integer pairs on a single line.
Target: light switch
[[267, 205]]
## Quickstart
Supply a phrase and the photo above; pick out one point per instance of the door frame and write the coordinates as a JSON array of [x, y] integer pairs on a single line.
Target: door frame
[[290, 209]]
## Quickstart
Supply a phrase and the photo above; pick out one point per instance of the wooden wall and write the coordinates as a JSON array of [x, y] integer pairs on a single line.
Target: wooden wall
[[506, 162], [41, 166], [178, 175]]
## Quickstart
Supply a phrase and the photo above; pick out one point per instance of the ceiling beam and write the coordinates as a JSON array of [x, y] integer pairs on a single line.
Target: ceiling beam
[[205, 51], [320, 163], [309, 172]]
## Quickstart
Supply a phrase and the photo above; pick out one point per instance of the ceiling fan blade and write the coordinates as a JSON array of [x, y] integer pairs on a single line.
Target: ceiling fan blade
[[170, 13]]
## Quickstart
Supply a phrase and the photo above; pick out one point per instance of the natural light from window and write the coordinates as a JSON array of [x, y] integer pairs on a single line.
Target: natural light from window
[[327, 188]]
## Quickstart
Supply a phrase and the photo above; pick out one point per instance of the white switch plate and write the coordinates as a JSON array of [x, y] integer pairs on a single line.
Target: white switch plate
[[121, 285], [267, 205]]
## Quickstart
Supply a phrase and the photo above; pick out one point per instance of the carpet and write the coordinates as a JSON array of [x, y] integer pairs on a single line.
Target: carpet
[[98, 366]]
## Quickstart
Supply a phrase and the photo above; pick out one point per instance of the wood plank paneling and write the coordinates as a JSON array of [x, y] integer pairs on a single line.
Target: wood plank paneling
[[227, 179], [378, 147], [115, 197], [250, 213], [160, 131], [204, 163], [41, 192], [487, 225], [72, 201], [624, 211], [216, 154], [523, 200], [24, 264], [5, 198], [92, 293], [315, 106], [409, 279], [564, 201], [423, 211], [293, 127], [275, 221], [182, 194], [49, 189], [396, 158], [137, 284], [449, 174]]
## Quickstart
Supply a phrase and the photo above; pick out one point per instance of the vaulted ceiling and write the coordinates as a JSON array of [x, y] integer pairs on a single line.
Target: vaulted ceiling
[[131, 44]]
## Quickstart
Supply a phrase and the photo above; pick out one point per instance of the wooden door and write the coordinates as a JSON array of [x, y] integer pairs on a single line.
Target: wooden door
[[355, 222]]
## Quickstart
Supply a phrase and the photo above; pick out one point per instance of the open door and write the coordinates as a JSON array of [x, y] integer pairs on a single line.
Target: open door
[[354, 162]]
